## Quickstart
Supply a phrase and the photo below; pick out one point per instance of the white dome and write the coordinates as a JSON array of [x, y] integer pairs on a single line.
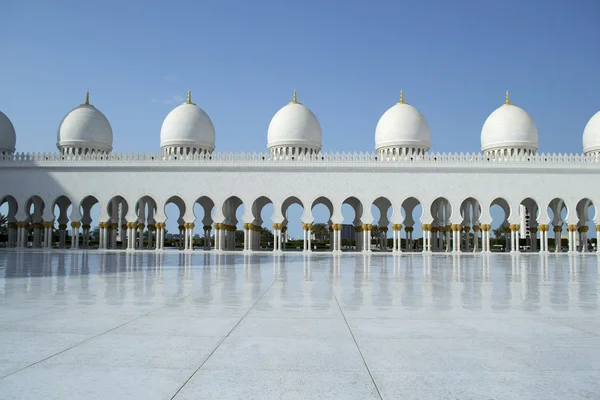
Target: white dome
[[509, 127], [294, 126], [591, 135], [188, 127], [85, 128], [8, 136], [402, 126]]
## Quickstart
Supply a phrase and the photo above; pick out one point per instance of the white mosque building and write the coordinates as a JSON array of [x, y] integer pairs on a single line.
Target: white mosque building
[[539, 193]]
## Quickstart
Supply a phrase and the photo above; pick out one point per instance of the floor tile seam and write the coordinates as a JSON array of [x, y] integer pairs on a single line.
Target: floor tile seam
[[95, 336], [354, 339], [224, 338]]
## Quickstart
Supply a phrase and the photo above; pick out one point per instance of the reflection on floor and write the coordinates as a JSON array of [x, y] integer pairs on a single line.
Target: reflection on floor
[[189, 326]]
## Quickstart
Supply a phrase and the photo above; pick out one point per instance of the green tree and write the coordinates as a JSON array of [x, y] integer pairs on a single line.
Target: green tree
[[3, 224], [266, 236], [321, 232], [500, 232]]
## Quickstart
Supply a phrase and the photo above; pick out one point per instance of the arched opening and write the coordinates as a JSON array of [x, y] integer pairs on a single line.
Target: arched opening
[[174, 211], [470, 211], [292, 210], [322, 210], [34, 208], [89, 208], [263, 236], [204, 209], [116, 226], [8, 221], [413, 212], [145, 209], [228, 236], [528, 227], [61, 209], [500, 212], [382, 211], [586, 229], [557, 210], [352, 211], [441, 232]]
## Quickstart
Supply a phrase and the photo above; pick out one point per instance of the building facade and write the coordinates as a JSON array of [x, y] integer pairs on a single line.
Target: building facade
[[540, 194]]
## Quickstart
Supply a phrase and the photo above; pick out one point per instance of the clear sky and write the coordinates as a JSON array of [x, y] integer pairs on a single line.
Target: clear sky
[[347, 59]]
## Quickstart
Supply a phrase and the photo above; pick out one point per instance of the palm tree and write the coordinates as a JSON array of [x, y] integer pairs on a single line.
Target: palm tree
[[320, 231], [3, 224], [500, 232]]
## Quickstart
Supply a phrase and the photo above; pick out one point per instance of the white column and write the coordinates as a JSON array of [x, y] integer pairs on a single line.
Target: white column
[[309, 233]]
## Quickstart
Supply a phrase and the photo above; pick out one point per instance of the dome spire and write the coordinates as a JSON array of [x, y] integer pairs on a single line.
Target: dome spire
[[295, 98], [507, 100], [189, 98], [401, 97], [87, 99]]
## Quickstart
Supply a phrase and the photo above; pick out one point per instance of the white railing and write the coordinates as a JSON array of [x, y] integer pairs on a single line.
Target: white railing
[[444, 158]]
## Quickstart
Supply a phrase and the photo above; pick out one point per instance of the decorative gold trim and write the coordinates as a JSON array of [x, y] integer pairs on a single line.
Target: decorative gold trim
[[189, 98]]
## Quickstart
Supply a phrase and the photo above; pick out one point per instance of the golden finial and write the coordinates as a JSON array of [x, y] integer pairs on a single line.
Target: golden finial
[[189, 98], [295, 99], [401, 97], [507, 100], [87, 98]]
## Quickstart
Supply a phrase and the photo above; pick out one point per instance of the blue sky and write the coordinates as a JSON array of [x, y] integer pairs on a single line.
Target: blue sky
[[348, 60]]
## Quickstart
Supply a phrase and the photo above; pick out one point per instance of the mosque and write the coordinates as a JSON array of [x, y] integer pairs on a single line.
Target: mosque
[[539, 193]]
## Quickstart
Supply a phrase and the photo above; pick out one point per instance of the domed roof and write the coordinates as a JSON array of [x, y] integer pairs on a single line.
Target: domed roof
[[188, 126], [591, 134], [402, 125], [509, 127], [85, 127], [8, 136], [294, 125]]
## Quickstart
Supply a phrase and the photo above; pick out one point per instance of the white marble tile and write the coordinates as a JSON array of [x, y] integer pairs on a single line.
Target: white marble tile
[[155, 325], [285, 353], [465, 355], [424, 385], [58, 382], [428, 327], [139, 351], [299, 328], [254, 384]]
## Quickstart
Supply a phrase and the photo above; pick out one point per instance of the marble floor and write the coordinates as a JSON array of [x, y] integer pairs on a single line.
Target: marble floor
[[77, 325]]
